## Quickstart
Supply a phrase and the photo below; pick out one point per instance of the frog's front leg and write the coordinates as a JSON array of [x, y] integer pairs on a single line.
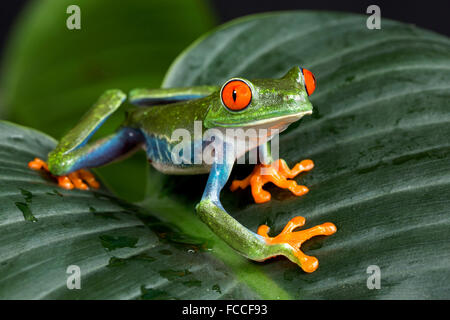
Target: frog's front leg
[[276, 172], [68, 160], [254, 246]]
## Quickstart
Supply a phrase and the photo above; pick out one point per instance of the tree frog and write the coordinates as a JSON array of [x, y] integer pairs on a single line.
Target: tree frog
[[238, 104]]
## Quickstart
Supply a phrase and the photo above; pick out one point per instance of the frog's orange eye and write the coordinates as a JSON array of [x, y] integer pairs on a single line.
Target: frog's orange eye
[[310, 81], [236, 95]]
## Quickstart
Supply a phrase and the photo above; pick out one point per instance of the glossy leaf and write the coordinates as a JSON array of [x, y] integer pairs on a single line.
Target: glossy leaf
[[122, 251], [378, 136]]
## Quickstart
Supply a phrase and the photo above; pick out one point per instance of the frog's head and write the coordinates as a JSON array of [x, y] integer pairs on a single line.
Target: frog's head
[[263, 103]]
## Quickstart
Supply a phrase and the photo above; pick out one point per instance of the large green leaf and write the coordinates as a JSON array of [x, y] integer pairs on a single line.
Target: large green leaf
[[379, 137], [51, 75], [121, 250]]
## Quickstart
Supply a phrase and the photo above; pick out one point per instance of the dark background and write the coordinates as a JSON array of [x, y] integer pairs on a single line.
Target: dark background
[[429, 14]]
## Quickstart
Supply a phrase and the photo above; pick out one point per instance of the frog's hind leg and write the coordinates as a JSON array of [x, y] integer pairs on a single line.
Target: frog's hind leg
[[259, 246], [72, 154]]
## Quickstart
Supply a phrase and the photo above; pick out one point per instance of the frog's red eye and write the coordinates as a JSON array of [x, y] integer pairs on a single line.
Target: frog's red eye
[[310, 81], [236, 95]]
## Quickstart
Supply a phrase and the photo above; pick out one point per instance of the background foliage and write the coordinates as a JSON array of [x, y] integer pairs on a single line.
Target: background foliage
[[51, 75]]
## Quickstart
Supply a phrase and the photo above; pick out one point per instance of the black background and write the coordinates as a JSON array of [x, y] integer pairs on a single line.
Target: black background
[[429, 14], [172, 309]]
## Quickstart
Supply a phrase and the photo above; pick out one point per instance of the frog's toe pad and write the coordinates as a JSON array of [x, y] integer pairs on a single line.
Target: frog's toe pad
[[296, 238], [76, 179], [279, 174]]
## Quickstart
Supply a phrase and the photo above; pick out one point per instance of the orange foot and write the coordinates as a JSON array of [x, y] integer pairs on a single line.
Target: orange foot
[[278, 173], [72, 180], [295, 239]]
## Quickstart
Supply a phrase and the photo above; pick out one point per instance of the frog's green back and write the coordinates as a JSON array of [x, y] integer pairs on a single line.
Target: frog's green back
[[162, 120], [147, 97]]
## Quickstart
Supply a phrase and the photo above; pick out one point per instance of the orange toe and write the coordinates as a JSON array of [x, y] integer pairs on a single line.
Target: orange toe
[[89, 178], [299, 190], [236, 184], [76, 179], [64, 182], [305, 165]]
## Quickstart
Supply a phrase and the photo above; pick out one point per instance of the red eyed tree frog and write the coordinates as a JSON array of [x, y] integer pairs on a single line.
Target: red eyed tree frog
[[239, 103]]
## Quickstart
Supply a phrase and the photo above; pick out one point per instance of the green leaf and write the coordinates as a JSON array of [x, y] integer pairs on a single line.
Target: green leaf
[[51, 75], [123, 252], [379, 137]]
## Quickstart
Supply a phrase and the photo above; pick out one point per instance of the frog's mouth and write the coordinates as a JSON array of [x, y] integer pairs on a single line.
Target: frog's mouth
[[269, 123], [262, 130], [280, 122]]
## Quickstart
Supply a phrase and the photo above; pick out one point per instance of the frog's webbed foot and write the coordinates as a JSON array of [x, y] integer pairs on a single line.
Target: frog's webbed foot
[[279, 174], [294, 240], [258, 247], [76, 179]]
